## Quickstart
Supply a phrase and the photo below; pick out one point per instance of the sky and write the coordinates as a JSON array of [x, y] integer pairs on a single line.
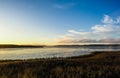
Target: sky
[[53, 22]]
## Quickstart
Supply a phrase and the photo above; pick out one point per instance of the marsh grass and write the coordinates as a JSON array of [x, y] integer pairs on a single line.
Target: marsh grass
[[95, 65]]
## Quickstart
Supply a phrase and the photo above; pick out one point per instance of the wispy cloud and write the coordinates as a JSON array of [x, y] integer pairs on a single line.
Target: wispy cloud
[[108, 20], [63, 6], [107, 32]]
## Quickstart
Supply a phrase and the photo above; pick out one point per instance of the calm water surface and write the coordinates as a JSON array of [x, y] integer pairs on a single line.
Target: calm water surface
[[32, 53]]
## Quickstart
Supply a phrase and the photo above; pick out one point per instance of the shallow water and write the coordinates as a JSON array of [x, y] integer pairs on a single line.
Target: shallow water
[[47, 52]]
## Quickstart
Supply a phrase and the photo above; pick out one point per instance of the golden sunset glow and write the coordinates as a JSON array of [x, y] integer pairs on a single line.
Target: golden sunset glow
[[24, 22]]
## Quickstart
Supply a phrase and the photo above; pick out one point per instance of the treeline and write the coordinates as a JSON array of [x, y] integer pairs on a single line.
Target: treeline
[[92, 46], [20, 46]]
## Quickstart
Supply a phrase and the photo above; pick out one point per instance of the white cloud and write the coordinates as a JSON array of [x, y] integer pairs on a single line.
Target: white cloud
[[74, 32], [63, 6], [107, 40], [106, 28], [107, 20], [118, 20], [108, 32], [77, 32]]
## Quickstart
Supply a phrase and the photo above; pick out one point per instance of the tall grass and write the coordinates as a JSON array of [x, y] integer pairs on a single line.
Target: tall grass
[[96, 65]]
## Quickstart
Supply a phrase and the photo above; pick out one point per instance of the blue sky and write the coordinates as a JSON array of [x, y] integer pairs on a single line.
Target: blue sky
[[59, 21]]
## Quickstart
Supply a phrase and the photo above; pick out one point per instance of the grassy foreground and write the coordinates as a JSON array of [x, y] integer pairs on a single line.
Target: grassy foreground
[[95, 65]]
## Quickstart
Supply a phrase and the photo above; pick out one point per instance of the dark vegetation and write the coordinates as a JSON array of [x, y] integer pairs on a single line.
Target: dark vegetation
[[20, 46], [95, 65], [92, 46]]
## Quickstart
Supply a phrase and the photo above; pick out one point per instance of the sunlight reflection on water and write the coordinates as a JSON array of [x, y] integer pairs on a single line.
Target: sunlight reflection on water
[[32, 53]]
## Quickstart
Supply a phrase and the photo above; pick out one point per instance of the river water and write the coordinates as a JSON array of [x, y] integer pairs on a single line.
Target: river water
[[47, 52]]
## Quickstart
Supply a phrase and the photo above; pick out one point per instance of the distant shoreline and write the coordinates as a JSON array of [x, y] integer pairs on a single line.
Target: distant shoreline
[[20, 46], [58, 46]]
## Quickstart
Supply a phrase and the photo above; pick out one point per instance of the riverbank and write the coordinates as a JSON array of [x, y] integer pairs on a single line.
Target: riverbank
[[95, 65]]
